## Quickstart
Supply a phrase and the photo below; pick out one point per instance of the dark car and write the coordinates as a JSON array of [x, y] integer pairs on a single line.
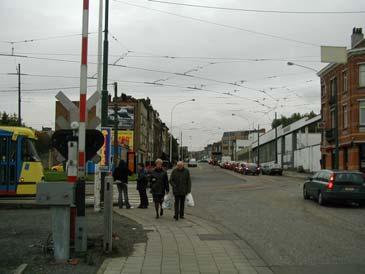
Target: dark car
[[272, 169], [251, 168], [329, 185]]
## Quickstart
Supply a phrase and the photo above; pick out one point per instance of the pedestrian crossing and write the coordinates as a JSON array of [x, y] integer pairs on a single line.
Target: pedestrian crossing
[[133, 195]]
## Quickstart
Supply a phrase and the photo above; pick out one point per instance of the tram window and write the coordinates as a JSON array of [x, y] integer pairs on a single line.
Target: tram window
[[29, 151]]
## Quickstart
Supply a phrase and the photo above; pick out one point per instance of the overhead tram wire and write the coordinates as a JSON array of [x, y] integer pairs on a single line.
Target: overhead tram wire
[[136, 68], [257, 10], [223, 25], [172, 57]]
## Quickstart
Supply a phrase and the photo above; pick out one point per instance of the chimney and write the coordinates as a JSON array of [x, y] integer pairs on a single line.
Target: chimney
[[356, 36]]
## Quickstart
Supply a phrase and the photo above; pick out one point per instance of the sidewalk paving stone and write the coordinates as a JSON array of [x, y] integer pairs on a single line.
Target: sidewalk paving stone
[[176, 247]]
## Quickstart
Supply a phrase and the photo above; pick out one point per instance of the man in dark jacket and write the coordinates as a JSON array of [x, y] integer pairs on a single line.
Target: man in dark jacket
[[181, 185], [120, 176], [159, 186], [142, 182]]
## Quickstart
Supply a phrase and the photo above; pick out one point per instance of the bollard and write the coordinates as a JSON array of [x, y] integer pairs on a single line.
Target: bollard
[[61, 232], [80, 233], [59, 196], [108, 214]]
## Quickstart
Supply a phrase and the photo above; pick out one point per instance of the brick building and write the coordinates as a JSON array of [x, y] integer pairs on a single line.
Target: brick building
[[344, 85]]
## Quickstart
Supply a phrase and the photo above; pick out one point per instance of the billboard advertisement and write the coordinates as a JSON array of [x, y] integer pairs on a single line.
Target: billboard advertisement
[[125, 138], [125, 116]]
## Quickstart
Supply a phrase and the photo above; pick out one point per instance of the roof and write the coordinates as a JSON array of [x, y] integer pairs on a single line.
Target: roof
[[23, 131]]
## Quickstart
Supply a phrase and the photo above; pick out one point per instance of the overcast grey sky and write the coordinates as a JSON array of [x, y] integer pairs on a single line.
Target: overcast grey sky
[[146, 36]]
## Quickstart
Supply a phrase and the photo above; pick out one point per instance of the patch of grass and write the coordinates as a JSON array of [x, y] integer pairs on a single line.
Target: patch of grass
[[54, 176]]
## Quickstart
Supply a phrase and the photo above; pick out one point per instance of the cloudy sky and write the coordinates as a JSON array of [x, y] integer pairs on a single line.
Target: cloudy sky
[[233, 61]]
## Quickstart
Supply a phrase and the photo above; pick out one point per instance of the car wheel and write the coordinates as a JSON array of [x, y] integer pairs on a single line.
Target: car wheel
[[321, 200], [305, 193]]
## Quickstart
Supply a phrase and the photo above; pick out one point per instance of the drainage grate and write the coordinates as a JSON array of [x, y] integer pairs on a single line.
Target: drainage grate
[[217, 237]]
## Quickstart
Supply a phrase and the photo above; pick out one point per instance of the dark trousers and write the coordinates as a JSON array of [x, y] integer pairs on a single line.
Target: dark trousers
[[179, 206], [123, 191], [143, 197]]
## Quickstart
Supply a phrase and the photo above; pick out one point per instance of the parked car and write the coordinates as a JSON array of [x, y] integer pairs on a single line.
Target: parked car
[[329, 185], [251, 168], [58, 168], [192, 163], [272, 169]]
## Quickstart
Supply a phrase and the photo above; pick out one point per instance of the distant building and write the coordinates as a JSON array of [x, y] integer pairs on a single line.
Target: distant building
[[344, 85], [229, 140]]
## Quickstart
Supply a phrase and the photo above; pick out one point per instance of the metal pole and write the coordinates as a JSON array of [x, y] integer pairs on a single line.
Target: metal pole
[[97, 180], [171, 137], [108, 215], [276, 140], [336, 166], [19, 99], [104, 93], [81, 237], [115, 156], [258, 144]]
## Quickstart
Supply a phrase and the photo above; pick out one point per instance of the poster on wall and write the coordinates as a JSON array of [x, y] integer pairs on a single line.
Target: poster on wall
[[131, 162], [125, 138], [105, 151], [125, 116]]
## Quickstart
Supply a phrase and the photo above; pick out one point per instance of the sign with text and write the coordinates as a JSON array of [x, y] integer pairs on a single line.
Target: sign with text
[[333, 54]]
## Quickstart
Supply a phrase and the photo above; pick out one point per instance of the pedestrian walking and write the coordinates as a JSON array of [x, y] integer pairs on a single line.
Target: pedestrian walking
[[181, 186], [159, 186], [120, 176], [142, 182]]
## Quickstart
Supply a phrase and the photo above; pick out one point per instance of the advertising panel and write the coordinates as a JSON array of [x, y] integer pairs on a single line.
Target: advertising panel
[[105, 151], [125, 115], [125, 138]]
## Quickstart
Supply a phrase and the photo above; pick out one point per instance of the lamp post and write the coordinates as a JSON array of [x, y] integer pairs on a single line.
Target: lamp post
[[336, 163], [172, 110]]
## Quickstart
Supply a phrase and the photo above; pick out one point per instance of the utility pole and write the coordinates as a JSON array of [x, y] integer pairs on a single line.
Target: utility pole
[[336, 166], [276, 140], [104, 92], [181, 144], [19, 99], [258, 144], [97, 182], [115, 124]]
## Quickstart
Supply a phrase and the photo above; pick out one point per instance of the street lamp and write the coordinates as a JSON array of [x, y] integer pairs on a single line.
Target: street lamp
[[336, 163], [172, 110], [298, 65]]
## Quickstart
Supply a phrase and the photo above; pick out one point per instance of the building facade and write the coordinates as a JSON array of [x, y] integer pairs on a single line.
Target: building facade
[[343, 109]]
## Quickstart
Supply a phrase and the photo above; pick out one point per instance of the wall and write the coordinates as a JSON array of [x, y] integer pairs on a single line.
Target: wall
[[309, 158]]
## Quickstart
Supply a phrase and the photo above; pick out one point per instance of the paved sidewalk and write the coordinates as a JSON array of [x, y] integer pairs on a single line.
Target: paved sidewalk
[[188, 246]]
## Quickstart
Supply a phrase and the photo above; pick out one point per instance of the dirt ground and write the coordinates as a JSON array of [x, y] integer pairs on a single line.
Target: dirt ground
[[24, 233]]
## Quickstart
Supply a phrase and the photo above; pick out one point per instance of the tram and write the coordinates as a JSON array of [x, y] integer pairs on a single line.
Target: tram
[[20, 166]]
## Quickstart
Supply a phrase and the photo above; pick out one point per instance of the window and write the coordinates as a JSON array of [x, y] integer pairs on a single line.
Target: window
[[362, 113], [333, 87], [345, 82], [345, 116], [29, 153], [323, 90], [362, 75]]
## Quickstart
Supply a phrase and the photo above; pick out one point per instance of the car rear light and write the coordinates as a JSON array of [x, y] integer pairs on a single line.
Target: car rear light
[[331, 182]]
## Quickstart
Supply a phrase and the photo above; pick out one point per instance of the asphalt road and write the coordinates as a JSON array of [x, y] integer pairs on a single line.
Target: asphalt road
[[290, 234]]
